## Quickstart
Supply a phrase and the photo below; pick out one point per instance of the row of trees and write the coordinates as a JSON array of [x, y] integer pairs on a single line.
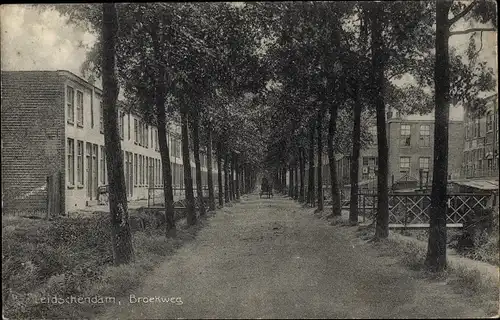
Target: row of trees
[[257, 82], [340, 60]]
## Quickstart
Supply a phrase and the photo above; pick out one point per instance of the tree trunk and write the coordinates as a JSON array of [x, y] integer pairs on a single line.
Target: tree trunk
[[283, 182], [160, 88], [310, 187], [197, 163], [120, 227], [165, 155], [382, 227], [302, 173], [296, 180], [188, 180], [245, 178], [280, 179], [436, 247], [211, 191], [290, 181], [248, 178], [356, 146], [237, 176], [226, 176], [332, 128], [320, 160], [231, 173], [242, 179], [220, 188]]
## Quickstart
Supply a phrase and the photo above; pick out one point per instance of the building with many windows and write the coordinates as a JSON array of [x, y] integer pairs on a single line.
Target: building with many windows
[[52, 126], [481, 143], [411, 147]]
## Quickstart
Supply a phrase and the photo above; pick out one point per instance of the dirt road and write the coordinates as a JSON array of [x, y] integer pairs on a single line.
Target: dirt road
[[270, 259]]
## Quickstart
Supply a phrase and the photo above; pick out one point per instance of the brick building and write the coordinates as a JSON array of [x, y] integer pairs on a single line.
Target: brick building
[[481, 143], [411, 147], [52, 125]]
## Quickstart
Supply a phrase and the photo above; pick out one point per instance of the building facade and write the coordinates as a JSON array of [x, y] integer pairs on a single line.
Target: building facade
[[411, 147], [481, 143], [52, 125]]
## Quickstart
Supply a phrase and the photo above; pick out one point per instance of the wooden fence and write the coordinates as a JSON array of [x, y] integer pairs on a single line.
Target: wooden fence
[[412, 209], [156, 196]]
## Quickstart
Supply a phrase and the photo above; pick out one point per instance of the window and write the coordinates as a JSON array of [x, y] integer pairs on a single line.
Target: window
[[101, 117], [70, 104], [135, 169], [136, 131], [151, 137], [424, 164], [146, 136], [489, 121], [170, 141], [121, 120], [91, 108], [141, 168], [79, 162], [140, 133], [177, 147], [95, 159], [79, 108], [128, 126], [370, 161], [159, 176], [404, 164], [157, 145], [103, 166], [405, 135], [425, 135], [147, 171], [365, 173], [71, 162], [477, 128]]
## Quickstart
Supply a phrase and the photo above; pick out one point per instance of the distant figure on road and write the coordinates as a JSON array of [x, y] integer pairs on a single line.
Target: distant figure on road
[[266, 188]]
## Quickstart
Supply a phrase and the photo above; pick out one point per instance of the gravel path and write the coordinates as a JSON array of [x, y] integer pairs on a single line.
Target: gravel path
[[268, 258]]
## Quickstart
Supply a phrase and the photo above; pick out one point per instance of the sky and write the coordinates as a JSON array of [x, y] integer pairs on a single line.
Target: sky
[[42, 40], [33, 40]]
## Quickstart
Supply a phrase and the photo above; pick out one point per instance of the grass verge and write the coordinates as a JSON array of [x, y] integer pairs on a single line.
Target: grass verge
[[47, 266], [464, 275]]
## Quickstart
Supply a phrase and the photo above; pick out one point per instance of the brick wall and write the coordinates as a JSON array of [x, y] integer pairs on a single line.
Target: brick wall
[[32, 124], [415, 151], [455, 148]]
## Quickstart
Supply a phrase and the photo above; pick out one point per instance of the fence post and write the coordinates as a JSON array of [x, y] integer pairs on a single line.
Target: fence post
[[364, 208], [406, 213]]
